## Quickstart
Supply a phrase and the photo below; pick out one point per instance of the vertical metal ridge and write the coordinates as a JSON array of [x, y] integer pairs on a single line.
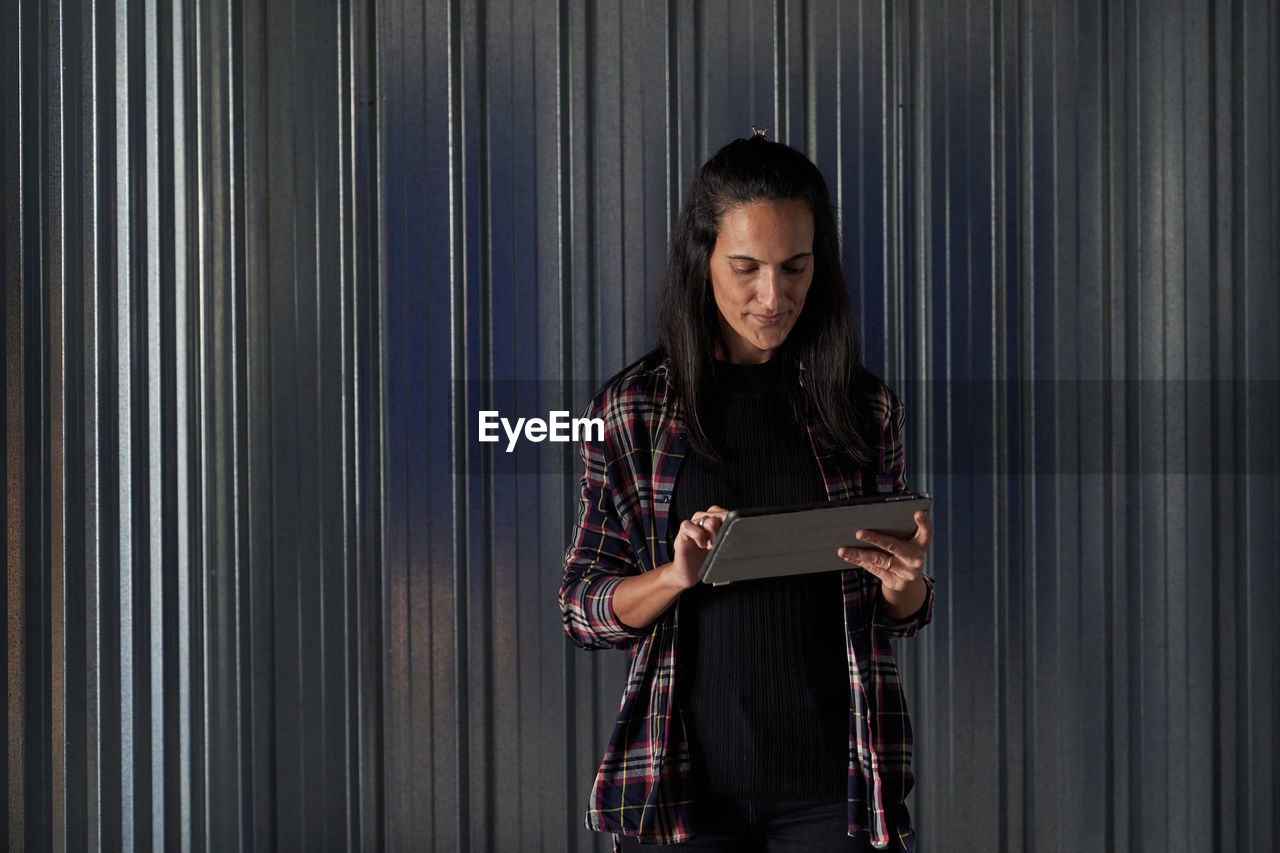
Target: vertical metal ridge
[[237, 783], [1241, 810], [124, 382], [566, 197], [459, 269], [1004, 625], [393, 33], [590, 176], [480, 592], [378, 480], [182, 418], [59, 612], [915, 193], [672, 116], [1106, 158], [893, 180], [15, 408], [777, 41], [703, 143], [1015, 330], [93, 525], [201, 399], [1217, 224], [809, 64], [155, 561], [345, 102]]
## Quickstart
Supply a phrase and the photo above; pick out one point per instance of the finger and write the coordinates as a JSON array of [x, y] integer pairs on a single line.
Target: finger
[[852, 556], [887, 578], [905, 549], [866, 557], [880, 560], [887, 565], [717, 511], [924, 529], [870, 558], [708, 522], [695, 534]]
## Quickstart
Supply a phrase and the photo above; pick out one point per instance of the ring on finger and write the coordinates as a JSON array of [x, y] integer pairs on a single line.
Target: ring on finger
[[699, 521]]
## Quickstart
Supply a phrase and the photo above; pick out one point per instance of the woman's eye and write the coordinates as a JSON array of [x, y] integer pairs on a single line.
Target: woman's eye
[[752, 270]]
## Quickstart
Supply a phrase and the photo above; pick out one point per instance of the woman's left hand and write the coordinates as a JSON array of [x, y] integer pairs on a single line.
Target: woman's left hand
[[898, 563]]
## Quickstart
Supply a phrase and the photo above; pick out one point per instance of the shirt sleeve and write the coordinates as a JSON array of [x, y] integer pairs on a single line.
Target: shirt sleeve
[[598, 559], [910, 625], [893, 444]]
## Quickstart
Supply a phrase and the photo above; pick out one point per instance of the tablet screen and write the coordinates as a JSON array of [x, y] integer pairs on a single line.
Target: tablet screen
[[777, 541]]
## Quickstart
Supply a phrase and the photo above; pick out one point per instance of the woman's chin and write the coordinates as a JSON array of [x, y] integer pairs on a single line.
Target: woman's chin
[[769, 340]]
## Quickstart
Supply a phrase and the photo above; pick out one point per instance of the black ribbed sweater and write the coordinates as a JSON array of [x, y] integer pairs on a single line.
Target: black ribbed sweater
[[762, 675]]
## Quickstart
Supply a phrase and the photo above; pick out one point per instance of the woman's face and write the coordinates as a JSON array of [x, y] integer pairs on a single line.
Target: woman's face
[[760, 271]]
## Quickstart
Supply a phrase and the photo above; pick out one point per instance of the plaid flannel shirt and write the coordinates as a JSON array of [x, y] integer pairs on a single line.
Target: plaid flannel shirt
[[643, 785]]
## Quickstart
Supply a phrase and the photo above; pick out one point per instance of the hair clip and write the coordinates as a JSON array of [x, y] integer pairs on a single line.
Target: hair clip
[[761, 132]]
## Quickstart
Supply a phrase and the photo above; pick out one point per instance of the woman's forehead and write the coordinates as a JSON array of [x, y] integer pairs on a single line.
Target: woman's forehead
[[784, 227]]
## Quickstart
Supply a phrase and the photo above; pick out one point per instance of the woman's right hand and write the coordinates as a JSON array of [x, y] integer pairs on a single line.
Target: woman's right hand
[[642, 598], [692, 543]]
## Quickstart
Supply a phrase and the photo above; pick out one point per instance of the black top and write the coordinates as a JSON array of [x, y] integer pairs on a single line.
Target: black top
[[762, 674]]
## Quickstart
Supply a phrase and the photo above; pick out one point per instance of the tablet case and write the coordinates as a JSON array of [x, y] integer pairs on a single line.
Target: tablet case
[[778, 541]]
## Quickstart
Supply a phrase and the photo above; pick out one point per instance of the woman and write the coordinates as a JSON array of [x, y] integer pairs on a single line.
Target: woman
[[764, 711]]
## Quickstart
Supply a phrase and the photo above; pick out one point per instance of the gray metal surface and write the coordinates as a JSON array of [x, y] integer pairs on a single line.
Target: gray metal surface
[[190, 426], [263, 263]]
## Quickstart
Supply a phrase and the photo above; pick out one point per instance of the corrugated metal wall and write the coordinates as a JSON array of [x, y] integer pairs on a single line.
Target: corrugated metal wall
[[264, 587], [191, 425], [1060, 220]]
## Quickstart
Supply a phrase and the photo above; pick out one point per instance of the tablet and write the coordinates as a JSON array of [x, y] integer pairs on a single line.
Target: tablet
[[772, 542]]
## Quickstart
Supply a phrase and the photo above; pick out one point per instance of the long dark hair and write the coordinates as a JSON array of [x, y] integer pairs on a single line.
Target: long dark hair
[[823, 341]]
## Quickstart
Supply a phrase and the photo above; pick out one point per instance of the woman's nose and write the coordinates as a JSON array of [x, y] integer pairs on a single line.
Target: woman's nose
[[768, 292]]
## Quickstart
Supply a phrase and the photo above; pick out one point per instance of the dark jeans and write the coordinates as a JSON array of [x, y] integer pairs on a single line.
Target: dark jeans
[[744, 826]]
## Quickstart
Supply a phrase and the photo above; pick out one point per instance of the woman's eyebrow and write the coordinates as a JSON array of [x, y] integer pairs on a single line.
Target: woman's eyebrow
[[794, 257]]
